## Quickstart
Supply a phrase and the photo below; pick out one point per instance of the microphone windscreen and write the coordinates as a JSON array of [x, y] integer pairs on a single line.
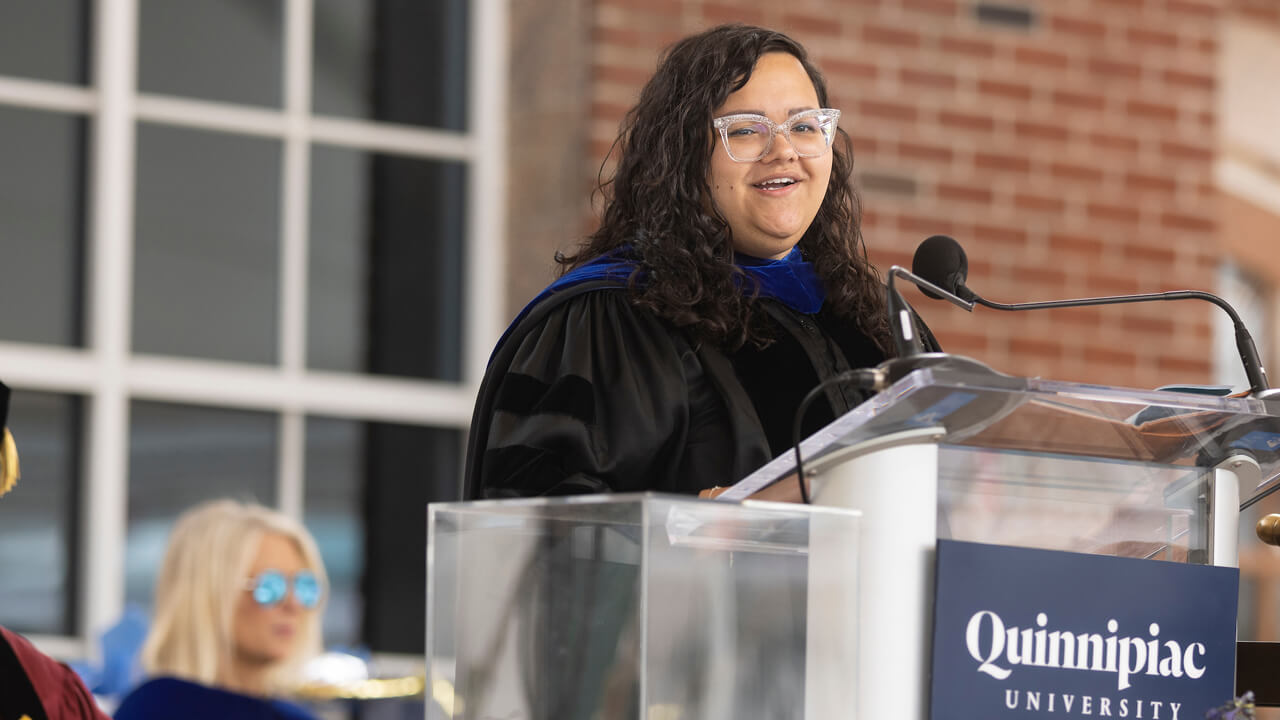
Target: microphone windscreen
[[941, 261]]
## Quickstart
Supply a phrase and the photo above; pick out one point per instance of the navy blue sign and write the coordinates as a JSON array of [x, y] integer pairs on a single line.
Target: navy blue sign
[[1023, 633]]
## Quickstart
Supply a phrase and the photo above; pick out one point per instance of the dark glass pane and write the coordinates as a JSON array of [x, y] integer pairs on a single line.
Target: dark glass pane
[[368, 485], [45, 39], [206, 278], [179, 456], [401, 61], [405, 468], [331, 511], [41, 225], [38, 517], [224, 50], [385, 288]]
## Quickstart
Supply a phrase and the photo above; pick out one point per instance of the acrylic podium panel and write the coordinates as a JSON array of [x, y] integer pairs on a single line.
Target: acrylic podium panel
[[650, 607], [1087, 468]]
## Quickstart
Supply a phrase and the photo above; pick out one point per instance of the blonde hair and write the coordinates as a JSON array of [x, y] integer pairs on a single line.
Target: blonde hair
[[205, 569]]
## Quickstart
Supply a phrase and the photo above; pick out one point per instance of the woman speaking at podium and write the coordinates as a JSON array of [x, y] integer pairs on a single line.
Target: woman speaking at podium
[[728, 277]]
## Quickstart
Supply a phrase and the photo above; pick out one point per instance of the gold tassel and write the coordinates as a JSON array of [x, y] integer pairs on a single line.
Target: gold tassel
[[8, 463]]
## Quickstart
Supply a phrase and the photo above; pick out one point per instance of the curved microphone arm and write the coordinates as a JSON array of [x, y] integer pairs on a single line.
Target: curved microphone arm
[[1115, 300], [1257, 375]]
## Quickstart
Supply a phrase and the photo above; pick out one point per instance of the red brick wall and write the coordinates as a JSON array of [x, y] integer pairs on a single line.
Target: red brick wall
[[1263, 11], [1070, 158]]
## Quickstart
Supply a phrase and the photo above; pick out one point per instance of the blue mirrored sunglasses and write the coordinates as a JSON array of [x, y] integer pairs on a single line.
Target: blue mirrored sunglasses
[[271, 587]]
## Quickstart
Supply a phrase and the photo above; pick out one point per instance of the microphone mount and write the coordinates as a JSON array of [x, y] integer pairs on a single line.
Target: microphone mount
[[902, 325]]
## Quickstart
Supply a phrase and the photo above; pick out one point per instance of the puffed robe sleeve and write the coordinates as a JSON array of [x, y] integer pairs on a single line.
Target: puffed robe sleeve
[[34, 685], [601, 396]]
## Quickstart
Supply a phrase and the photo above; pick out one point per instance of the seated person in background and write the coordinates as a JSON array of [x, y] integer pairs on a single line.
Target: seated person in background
[[32, 684], [237, 613]]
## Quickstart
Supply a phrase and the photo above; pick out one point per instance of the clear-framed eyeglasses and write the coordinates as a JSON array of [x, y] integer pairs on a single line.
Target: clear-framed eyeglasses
[[749, 137]]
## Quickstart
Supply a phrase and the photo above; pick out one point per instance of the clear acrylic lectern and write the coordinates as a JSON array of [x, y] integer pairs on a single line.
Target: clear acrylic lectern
[[661, 608], [644, 607]]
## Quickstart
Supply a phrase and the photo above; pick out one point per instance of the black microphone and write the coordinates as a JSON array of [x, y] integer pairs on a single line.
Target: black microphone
[[941, 261]]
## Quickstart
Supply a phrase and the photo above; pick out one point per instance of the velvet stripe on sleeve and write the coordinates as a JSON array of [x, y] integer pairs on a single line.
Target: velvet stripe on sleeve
[[602, 396]]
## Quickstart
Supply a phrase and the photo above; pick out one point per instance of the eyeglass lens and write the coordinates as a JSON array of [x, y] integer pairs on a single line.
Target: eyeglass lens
[[271, 587]]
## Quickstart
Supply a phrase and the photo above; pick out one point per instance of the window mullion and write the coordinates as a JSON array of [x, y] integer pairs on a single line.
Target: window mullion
[[105, 498], [484, 246], [293, 247]]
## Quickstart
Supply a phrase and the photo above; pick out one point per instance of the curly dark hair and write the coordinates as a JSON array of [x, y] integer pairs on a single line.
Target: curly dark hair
[[659, 200]]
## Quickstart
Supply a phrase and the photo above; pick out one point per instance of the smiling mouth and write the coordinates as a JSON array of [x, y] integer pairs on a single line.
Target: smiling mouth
[[775, 184]]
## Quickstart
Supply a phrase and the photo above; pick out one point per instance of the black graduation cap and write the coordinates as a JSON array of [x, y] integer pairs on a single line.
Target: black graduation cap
[[4, 406]]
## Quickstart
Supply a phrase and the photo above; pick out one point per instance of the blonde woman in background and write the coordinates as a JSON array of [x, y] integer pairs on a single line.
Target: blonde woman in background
[[237, 612]]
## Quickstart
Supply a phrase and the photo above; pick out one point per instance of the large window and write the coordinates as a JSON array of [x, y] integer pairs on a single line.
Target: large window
[[241, 248]]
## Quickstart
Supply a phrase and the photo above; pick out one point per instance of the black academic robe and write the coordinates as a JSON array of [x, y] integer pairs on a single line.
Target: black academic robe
[[589, 393]]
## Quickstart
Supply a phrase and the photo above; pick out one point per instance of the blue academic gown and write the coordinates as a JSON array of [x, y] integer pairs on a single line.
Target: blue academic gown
[[166, 697]]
